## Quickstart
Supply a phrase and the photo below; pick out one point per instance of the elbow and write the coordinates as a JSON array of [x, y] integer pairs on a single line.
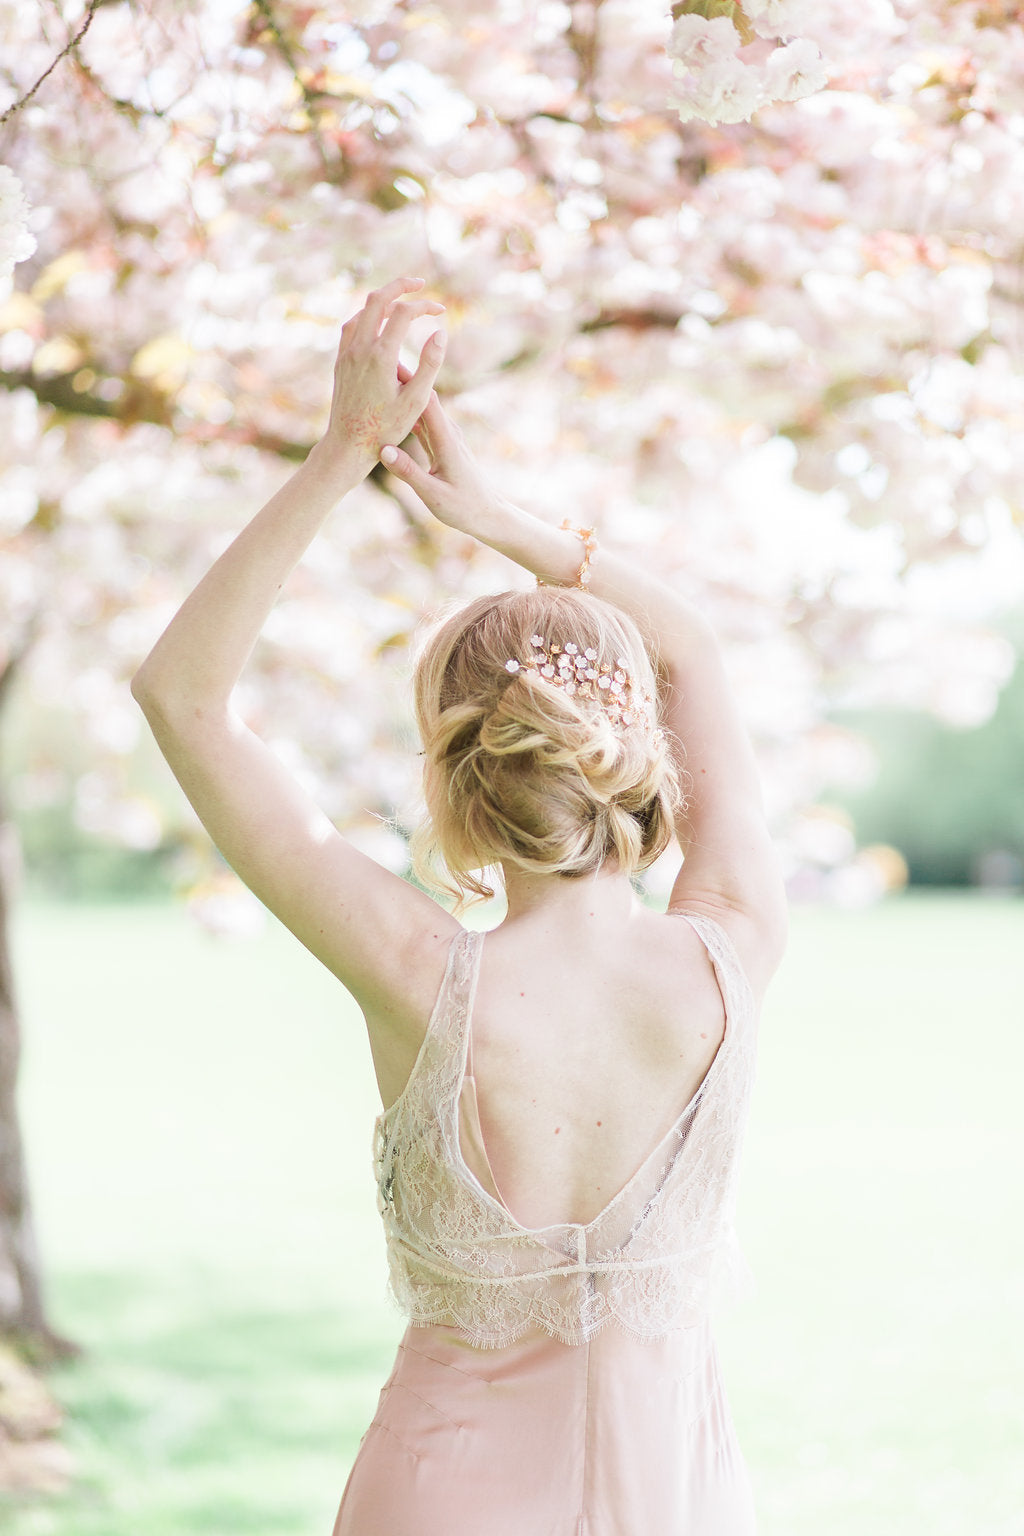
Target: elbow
[[139, 687], [144, 692], [173, 714], [158, 706]]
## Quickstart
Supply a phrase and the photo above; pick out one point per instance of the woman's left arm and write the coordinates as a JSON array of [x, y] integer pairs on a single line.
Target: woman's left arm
[[344, 907]]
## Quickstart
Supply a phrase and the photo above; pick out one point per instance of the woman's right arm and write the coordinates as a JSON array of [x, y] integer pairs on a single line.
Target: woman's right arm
[[731, 869], [354, 915]]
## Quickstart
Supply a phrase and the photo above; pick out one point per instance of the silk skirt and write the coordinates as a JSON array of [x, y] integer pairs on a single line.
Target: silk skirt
[[608, 1438]]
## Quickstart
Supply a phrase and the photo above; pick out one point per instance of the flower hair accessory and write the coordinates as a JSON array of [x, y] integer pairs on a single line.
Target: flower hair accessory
[[583, 676]]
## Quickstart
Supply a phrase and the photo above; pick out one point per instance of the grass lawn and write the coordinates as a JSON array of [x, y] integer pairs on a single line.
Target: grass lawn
[[198, 1121]]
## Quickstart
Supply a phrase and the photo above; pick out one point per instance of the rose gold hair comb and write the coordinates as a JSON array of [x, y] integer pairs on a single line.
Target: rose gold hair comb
[[583, 676]]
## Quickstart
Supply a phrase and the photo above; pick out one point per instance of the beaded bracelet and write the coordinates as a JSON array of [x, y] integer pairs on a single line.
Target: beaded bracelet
[[589, 551]]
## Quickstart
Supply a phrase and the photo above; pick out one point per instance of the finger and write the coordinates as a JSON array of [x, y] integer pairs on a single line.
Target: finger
[[438, 430], [418, 428], [433, 427], [418, 453], [429, 439], [400, 319], [404, 467], [422, 440], [378, 304], [415, 395], [348, 333]]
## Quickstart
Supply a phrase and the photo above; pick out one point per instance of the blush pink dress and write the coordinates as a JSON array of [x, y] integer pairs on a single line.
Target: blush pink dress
[[560, 1381]]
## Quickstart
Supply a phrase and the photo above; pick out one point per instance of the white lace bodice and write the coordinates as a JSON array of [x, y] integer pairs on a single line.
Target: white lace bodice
[[654, 1259]]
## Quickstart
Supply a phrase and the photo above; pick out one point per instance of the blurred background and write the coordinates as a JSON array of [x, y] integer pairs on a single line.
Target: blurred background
[[778, 359]]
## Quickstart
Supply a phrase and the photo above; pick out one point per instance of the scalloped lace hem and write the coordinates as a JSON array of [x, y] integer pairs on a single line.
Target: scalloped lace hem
[[530, 1321], [572, 1337]]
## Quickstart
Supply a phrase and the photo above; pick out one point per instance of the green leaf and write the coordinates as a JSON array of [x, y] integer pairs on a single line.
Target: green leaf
[[710, 9]]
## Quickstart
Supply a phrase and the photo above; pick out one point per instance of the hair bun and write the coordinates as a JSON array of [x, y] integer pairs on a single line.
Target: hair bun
[[520, 768]]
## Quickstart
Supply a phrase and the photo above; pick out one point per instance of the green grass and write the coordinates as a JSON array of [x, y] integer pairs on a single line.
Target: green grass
[[198, 1119]]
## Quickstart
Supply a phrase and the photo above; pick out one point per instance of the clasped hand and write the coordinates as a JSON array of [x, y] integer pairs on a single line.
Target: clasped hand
[[378, 402], [372, 405]]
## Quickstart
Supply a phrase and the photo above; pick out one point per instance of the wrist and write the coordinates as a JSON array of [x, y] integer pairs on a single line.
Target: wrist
[[340, 464], [497, 521], [552, 554]]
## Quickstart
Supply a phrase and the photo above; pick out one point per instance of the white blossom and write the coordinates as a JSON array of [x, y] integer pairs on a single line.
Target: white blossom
[[717, 84], [16, 242], [724, 91], [696, 41], [794, 71]]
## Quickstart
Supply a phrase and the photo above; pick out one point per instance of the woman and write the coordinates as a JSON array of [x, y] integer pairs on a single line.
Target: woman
[[563, 1101]]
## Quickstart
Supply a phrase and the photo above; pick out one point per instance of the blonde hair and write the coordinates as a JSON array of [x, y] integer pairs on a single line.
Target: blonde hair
[[518, 771]]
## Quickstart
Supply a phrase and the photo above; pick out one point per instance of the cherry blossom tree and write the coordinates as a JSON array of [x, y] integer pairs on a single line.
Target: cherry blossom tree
[[739, 285]]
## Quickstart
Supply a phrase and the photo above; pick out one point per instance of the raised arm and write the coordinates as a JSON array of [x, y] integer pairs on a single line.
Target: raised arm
[[730, 870], [353, 915]]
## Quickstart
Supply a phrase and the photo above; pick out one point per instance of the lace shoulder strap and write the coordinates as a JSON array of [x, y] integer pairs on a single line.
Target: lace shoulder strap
[[732, 978], [438, 1067], [458, 989]]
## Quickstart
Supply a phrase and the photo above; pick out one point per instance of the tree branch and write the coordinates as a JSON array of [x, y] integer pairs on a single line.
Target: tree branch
[[284, 48], [584, 43], [632, 320], [13, 663], [72, 43], [138, 403]]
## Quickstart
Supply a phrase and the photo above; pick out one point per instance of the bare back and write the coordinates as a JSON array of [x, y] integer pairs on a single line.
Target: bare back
[[584, 1051]]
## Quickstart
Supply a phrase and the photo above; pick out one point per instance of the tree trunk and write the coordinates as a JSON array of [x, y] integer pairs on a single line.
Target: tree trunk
[[22, 1309]]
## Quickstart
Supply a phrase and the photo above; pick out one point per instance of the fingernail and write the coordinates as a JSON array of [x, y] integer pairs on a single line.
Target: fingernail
[[388, 455], [439, 338]]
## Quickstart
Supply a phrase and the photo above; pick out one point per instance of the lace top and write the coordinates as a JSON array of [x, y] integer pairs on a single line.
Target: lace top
[[655, 1258]]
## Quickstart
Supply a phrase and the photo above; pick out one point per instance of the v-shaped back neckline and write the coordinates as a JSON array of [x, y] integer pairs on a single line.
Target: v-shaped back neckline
[[452, 1108]]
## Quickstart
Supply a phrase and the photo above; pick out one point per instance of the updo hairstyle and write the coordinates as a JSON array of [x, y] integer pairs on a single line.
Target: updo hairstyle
[[518, 770]]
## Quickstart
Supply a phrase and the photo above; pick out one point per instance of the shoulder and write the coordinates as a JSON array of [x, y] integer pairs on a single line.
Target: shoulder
[[398, 999], [757, 937], [402, 980]]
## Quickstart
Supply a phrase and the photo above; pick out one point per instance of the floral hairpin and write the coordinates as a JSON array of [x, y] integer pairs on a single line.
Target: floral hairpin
[[583, 676]]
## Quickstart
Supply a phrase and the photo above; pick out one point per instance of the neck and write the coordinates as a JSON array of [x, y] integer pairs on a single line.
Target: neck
[[605, 896]]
